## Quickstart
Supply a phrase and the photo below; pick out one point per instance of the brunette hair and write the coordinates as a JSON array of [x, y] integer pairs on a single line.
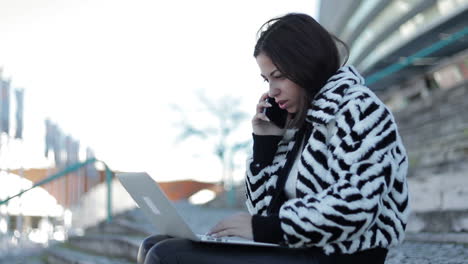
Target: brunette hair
[[303, 51]]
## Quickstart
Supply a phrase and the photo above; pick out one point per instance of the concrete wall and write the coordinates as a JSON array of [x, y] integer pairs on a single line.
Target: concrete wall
[[435, 132]]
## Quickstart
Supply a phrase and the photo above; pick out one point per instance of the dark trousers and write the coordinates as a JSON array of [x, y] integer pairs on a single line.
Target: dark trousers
[[166, 250]]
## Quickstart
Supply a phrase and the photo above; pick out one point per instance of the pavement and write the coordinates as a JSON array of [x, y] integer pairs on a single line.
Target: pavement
[[428, 253], [419, 248], [13, 248]]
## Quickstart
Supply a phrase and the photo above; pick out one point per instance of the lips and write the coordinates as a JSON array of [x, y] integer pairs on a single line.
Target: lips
[[282, 103]]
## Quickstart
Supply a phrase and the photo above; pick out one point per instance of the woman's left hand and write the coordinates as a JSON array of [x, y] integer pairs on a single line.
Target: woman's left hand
[[239, 224]]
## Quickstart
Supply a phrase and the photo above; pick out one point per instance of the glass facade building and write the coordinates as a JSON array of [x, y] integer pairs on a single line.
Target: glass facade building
[[395, 42]]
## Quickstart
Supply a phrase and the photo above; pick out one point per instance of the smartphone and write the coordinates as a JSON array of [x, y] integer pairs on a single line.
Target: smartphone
[[276, 115]]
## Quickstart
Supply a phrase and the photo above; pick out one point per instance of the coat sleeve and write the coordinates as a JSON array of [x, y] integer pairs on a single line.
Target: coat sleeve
[[267, 151], [365, 159]]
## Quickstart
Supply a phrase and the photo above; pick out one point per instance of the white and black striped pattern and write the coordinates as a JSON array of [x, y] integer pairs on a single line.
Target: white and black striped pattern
[[351, 187]]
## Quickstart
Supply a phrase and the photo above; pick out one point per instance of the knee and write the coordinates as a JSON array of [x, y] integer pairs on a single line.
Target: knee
[[147, 244], [153, 256], [166, 251]]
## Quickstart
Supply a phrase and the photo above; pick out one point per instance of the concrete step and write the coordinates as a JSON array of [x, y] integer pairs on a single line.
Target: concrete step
[[64, 255], [32, 260], [123, 226], [118, 246], [428, 253], [39, 259], [443, 221], [458, 238]]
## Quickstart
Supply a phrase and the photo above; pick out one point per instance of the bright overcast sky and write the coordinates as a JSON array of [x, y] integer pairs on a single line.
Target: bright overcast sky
[[107, 71]]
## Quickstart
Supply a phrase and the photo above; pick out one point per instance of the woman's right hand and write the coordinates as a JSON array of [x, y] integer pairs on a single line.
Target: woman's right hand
[[261, 125]]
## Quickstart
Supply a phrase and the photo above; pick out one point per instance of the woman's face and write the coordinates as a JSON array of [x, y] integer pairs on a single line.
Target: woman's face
[[287, 94]]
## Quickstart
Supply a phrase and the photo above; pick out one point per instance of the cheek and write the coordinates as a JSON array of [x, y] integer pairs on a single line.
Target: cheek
[[301, 97], [297, 92]]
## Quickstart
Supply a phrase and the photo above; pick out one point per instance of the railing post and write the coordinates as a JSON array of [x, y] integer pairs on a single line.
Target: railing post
[[64, 172], [109, 193]]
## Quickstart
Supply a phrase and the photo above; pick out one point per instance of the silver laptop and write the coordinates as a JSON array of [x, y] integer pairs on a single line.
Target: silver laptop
[[160, 211]]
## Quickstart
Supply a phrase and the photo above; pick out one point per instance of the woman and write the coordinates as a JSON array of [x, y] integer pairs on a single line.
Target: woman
[[331, 186]]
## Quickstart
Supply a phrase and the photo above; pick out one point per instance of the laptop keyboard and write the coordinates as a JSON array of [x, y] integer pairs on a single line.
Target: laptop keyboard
[[213, 238], [223, 239], [233, 240]]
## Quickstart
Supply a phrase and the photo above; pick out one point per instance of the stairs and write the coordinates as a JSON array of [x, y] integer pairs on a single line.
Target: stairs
[[63, 255], [118, 242]]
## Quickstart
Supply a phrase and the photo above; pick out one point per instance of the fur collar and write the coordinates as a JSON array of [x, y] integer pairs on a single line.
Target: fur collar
[[327, 102]]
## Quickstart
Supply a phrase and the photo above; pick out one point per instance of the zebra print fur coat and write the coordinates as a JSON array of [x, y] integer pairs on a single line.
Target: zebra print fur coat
[[351, 187]]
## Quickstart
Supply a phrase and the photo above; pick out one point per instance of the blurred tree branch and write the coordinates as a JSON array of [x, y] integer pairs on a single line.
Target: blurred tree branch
[[228, 118]]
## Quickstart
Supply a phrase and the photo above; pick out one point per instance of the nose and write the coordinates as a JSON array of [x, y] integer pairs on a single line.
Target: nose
[[273, 91]]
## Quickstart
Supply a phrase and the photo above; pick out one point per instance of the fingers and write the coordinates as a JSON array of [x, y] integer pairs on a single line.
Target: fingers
[[262, 105], [263, 97], [262, 116], [217, 228], [235, 225], [224, 230], [225, 233], [225, 224], [234, 231]]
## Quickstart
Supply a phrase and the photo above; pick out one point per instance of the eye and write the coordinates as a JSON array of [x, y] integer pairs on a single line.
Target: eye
[[279, 76], [265, 79]]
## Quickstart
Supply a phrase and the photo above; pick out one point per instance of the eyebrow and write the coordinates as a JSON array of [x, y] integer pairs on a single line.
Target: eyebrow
[[271, 73]]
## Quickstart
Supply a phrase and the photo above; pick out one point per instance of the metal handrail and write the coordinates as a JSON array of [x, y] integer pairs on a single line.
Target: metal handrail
[[68, 170], [373, 78]]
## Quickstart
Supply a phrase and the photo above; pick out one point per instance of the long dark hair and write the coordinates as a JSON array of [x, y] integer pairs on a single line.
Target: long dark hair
[[303, 51]]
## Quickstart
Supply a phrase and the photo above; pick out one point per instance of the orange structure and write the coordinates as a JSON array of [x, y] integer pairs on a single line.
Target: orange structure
[[68, 189]]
